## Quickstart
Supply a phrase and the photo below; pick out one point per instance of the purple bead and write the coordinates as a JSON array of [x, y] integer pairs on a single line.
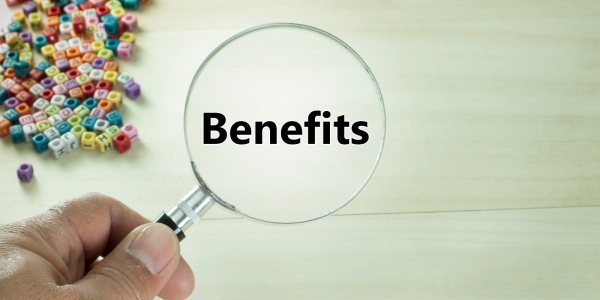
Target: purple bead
[[98, 63], [29, 7], [71, 84], [25, 172], [63, 65], [132, 90], [26, 38], [48, 83], [11, 103]]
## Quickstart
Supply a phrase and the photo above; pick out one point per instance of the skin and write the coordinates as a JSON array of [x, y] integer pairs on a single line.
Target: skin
[[55, 255]]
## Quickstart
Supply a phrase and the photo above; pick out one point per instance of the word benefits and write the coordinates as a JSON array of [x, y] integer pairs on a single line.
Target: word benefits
[[291, 132]]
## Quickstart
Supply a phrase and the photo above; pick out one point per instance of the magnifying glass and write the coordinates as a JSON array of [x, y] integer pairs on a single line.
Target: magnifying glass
[[284, 124]]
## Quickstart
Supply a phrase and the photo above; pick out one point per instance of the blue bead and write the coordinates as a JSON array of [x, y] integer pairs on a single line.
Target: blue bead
[[39, 42], [65, 18], [15, 26], [62, 3], [21, 68], [77, 2], [63, 127], [112, 44], [90, 103], [114, 118], [12, 54], [88, 123], [12, 115], [111, 24], [40, 142], [16, 134], [71, 103], [8, 63], [42, 65], [3, 95], [131, 4]]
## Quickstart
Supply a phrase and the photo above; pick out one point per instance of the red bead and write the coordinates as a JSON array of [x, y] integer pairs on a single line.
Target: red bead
[[86, 5], [101, 11], [15, 89], [121, 142], [25, 97], [72, 74], [51, 35], [47, 94], [119, 33], [88, 90], [53, 11], [37, 75], [104, 85], [78, 24]]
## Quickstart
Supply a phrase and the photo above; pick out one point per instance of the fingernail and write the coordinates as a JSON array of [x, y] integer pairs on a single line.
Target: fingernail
[[155, 246]]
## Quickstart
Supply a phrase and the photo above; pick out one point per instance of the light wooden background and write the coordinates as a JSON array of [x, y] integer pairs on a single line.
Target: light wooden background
[[489, 183]]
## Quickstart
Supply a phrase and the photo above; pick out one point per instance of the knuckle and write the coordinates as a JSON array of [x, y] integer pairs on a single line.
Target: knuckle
[[128, 286]]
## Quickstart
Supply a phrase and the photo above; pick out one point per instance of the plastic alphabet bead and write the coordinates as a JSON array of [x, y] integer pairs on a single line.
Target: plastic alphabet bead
[[100, 95], [70, 140], [106, 105], [63, 127], [4, 127], [58, 148], [51, 34], [130, 22], [25, 172], [40, 105], [131, 132], [22, 109], [42, 65], [96, 75], [132, 90], [121, 142], [101, 126], [90, 103], [75, 43], [58, 100], [11, 115], [111, 66], [99, 63], [65, 29], [88, 89], [112, 131], [39, 116], [111, 76], [78, 131], [52, 133], [89, 123], [26, 119], [112, 44], [81, 111], [55, 119], [125, 50], [74, 120], [25, 98], [40, 143], [29, 7], [72, 74], [71, 84], [123, 79], [11, 103], [85, 68], [66, 113], [52, 110], [65, 19], [104, 142], [105, 53], [30, 131], [39, 42], [88, 141], [71, 103], [97, 45], [16, 134], [104, 85], [100, 36]]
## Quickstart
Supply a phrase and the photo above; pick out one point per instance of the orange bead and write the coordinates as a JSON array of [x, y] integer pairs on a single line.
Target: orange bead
[[88, 38], [106, 106], [23, 109], [111, 66], [58, 55], [73, 52], [28, 83], [77, 93], [4, 127], [9, 73], [53, 21], [1, 58], [75, 62], [75, 34], [88, 57]]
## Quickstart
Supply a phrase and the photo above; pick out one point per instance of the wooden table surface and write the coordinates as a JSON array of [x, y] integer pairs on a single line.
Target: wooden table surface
[[488, 187]]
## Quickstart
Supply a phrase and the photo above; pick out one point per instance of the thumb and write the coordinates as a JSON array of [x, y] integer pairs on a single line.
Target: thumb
[[137, 268]]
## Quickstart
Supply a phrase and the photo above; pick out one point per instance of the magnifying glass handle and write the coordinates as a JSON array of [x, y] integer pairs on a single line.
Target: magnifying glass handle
[[187, 212]]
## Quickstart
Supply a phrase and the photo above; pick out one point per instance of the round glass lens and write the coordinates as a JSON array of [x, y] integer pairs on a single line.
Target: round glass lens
[[285, 122]]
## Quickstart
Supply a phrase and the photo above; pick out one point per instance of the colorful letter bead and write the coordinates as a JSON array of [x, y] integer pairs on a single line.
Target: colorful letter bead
[[81, 111], [99, 63], [22, 109], [104, 142], [70, 140], [131, 132], [60, 47], [132, 90], [30, 131], [114, 118], [60, 89], [25, 172], [40, 42], [58, 148], [21, 68], [11, 115], [101, 126], [26, 119], [35, 21], [25, 98], [63, 127], [100, 94], [54, 120], [130, 22], [16, 134], [11, 103], [112, 131], [125, 50], [58, 100], [78, 131], [90, 103], [40, 143], [111, 76], [121, 142], [89, 123], [52, 110], [85, 68], [42, 125], [74, 120], [39, 116], [116, 98], [105, 53], [88, 141], [123, 79], [104, 85], [29, 7], [71, 103], [71, 84], [66, 113], [96, 75], [4, 127], [106, 105], [88, 89], [48, 83]]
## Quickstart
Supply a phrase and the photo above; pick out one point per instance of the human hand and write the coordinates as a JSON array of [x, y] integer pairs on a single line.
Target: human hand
[[55, 255]]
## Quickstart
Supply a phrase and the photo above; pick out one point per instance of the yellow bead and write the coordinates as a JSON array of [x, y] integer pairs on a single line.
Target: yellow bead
[[78, 13], [39, 3], [105, 53], [83, 79], [26, 56], [88, 141], [47, 52], [78, 131], [104, 142], [118, 12], [97, 46], [15, 42], [35, 21], [128, 37], [26, 48], [51, 110], [18, 16], [116, 98], [111, 76], [112, 131], [81, 111], [60, 78], [52, 71], [113, 4], [1, 78], [42, 125], [74, 120], [91, 29]]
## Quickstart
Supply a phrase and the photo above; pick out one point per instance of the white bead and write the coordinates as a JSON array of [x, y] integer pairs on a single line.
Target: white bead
[[59, 100], [30, 131], [58, 148], [100, 36], [96, 75], [2, 69], [101, 126], [89, 13], [70, 141], [62, 45], [65, 30], [75, 42], [40, 105], [3, 32], [52, 133], [85, 68], [36, 90], [55, 120], [123, 79], [4, 48]]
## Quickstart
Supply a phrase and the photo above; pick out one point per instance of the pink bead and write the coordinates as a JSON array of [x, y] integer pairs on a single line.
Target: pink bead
[[40, 116], [85, 48], [70, 8], [96, 3], [26, 119], [60, 89], [92, 21], [130, 22], [7, 83], [97, 113], [66, 113], [124, 50], [100, 94], [130, 131], [100, 27]]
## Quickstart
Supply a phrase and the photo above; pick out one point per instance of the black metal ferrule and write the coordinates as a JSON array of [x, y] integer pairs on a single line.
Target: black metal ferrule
[[165, 219]]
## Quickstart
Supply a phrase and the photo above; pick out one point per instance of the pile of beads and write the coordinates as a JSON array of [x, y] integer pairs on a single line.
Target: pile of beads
[[68, 100]]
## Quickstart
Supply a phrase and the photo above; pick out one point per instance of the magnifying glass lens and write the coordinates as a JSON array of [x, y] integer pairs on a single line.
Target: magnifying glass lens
[[284, 122]]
